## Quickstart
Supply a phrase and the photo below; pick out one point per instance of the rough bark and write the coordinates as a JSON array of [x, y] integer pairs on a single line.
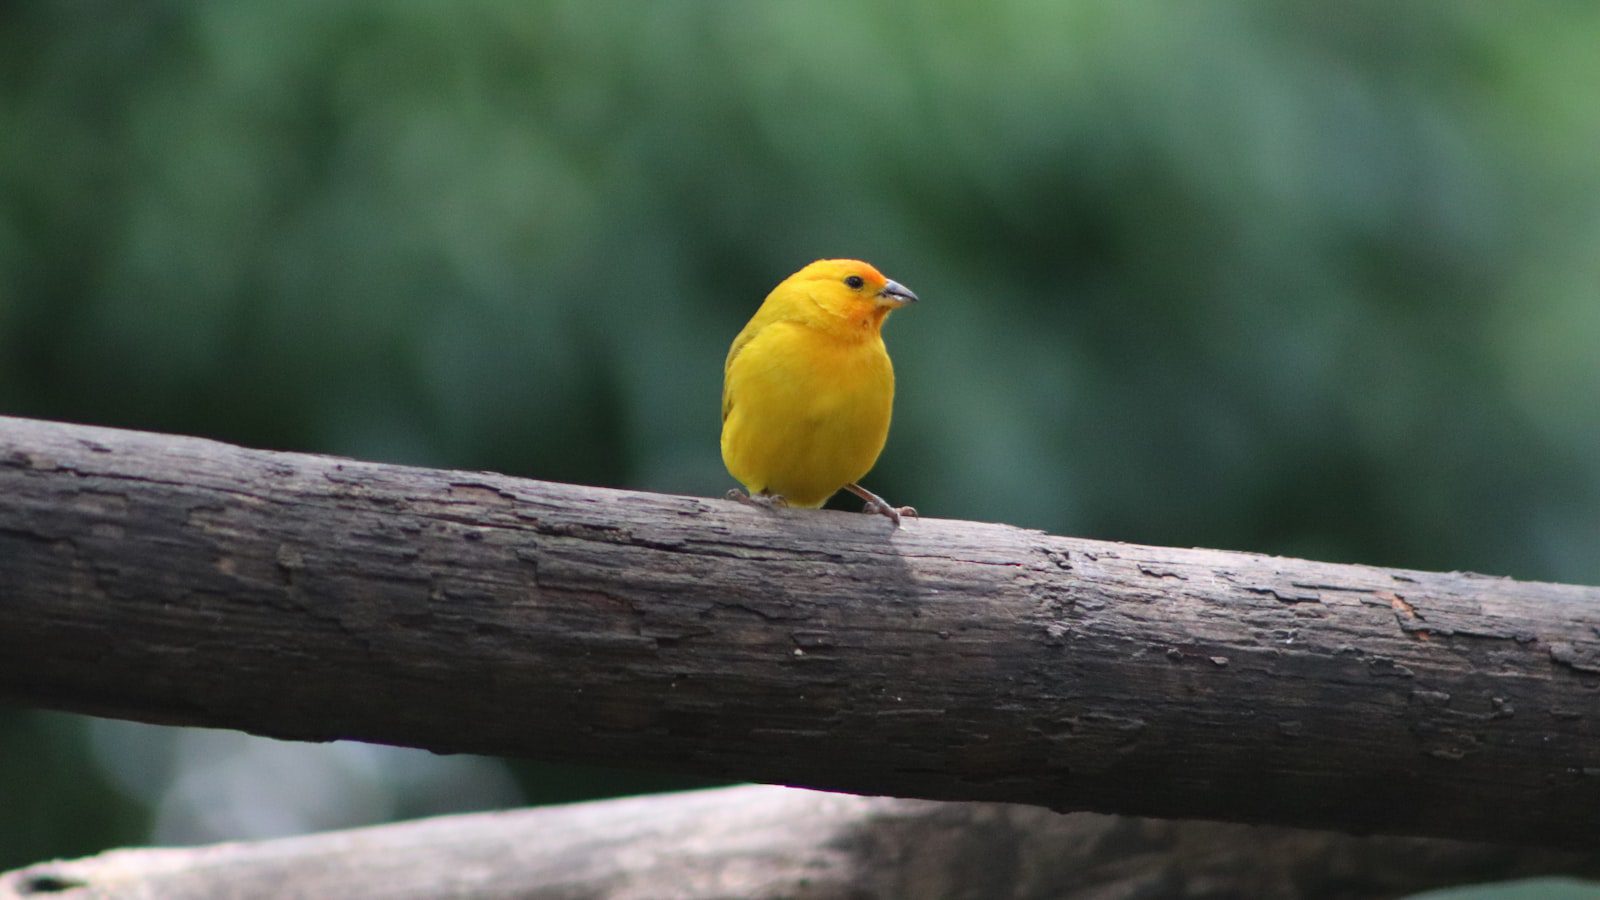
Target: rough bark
[[764, 842], [179, 580]]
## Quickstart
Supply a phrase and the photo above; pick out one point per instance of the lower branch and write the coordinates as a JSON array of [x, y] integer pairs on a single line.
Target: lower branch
[[763, 842]]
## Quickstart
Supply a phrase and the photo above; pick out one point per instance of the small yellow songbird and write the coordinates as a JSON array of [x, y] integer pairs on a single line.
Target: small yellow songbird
[[807, 388]]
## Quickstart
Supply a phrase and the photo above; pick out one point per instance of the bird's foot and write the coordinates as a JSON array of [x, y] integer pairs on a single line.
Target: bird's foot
[[765, 501], [879, 506], [892, 512]]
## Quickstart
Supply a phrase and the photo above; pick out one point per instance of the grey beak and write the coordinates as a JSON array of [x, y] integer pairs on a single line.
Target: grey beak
[[897, 292]]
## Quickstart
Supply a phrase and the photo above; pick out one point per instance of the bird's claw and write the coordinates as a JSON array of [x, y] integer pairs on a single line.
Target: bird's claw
[[892, 512], [765, 501], [878, 505]]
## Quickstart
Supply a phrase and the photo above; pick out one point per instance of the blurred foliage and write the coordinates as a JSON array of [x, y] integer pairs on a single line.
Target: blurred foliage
[[1316, 279], [1528, 889]]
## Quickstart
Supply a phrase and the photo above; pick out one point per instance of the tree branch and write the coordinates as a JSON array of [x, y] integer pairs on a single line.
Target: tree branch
[[178, 580], [764, 842]]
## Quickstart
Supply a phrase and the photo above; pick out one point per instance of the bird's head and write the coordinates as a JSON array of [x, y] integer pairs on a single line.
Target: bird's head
[[850, 289]]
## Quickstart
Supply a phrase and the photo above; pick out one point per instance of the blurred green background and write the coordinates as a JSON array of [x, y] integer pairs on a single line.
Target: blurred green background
[[1312, 279]]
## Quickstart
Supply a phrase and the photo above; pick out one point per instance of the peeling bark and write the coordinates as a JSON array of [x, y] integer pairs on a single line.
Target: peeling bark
[[178, 580]]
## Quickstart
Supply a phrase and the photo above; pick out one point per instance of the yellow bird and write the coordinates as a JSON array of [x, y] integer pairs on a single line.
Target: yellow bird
[[807, 388]]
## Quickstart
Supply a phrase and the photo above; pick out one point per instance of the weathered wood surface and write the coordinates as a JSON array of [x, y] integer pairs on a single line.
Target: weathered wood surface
[[750, 843], [179, 580]]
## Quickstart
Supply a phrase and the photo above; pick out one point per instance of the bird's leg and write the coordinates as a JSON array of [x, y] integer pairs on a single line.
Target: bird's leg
[[762, 499], [876, 504]]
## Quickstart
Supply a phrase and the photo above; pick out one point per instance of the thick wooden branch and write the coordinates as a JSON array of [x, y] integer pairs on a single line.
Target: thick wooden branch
[[764, 842], [179, 580]]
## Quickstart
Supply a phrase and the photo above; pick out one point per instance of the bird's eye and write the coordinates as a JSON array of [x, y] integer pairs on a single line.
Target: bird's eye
[[854, 281]]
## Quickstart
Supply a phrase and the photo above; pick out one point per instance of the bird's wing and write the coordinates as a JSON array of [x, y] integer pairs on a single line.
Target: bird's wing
[[782, 305], [739, 343]]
